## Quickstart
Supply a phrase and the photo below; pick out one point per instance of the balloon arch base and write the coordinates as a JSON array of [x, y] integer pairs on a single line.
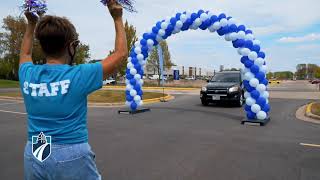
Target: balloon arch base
[[256, 121], [138, 111]]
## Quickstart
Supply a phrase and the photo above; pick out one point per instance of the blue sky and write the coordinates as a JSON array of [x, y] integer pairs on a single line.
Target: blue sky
[[288, 29]]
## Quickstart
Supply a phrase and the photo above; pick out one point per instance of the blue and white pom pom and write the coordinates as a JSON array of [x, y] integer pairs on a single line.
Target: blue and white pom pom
[[126, 4], [35, 6]]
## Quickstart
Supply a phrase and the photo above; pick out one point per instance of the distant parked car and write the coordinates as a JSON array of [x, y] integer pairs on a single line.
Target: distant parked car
[[316, 81], [274, 81], [109, 81], [156, 77], [190, 78]]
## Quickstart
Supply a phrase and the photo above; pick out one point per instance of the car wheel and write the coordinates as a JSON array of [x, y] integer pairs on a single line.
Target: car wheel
[[204, 102]]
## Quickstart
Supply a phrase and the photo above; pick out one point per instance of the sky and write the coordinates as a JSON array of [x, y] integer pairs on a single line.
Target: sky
[[288, 29]]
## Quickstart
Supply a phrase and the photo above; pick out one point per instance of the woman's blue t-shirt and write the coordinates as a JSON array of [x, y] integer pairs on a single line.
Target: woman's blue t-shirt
[[55, 98]]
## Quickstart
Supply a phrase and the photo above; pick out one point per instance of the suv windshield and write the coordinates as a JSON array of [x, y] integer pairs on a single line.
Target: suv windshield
[[226, 77]]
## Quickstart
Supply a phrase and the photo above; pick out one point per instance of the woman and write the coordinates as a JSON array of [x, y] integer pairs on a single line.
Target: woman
[[55, 96]]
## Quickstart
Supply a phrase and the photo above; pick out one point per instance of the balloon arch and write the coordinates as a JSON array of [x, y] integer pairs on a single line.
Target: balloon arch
[[255, 82]]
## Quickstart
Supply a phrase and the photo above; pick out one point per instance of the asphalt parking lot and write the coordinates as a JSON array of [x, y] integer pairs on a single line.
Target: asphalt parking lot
[[182, 140]]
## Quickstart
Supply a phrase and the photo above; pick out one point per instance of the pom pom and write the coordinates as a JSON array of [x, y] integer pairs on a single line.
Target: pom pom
[[126, 4], [35, 6]]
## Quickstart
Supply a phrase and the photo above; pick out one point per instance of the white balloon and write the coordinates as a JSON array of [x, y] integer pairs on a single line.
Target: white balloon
[[137, 77], [264, 69], [241, 35], [259, 62], [248, 76], [140, 57], [137, 44], [250, 101], [266, 95], [183, 18], [233, 36], [227, 37], [141, 82], [133, 93], [127, 81], [164, 25], [247, 95], [140, 103], [212, 29], [128, 103], [130, 65], [179, 24], [223, 22], [204, 17], [197, 22], [149, 42], [216, 25], [137, 98], [129, 87], [249, 37], [133, 71], [253, 55], [232, 21], [159, 38], [261, 88], [261, 115], [256, 42], [255, 108], [254, 82], [161, 32], [245, 70], [137, 50], [245, 51]]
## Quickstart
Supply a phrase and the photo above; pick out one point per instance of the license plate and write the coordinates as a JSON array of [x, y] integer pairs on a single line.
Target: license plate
[[215, 97]]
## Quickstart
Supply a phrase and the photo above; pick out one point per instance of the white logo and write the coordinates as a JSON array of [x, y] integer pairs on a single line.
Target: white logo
[[41, 146]]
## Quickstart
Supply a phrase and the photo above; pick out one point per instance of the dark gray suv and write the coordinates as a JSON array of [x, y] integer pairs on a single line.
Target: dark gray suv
[[224, 86]]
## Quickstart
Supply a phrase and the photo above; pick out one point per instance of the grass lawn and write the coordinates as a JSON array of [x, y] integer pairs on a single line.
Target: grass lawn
[[101, 96], [9, 84], [315, 109]]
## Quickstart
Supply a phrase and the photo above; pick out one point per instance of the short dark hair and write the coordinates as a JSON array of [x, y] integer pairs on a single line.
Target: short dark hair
[[54, 34]]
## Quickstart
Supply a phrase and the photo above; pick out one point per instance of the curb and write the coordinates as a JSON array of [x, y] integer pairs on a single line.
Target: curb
[[147, 101], [152, 88], [309, 114]]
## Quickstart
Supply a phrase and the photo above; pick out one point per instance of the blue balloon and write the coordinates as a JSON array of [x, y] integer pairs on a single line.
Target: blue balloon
[[260, 76], [158, 25], [244, 59], [170, 28], [248, 64], [134, 60], [251, 115], [144, 49], [254, 69], [247, 108], [178, 15], [250, 88], [129, 76], [137, 87], [127, 92], [261, 102], [200, 12], [140, 93], [194, 16], [221, 16], [248, 31], [145, 55], [155, 30], [233, 28], [265, 82], [141, 72], [255, 94], [205, 24], [143, 42], [241, 28], [137, 67], [248, 44], [214, 19], [261, 55], [173, 21], [133, 82], [145, 36], [133, 54], [222, 31], [134, 106], [256, 48], [129, 98], [238, 43], [229, 17], [266, 108]]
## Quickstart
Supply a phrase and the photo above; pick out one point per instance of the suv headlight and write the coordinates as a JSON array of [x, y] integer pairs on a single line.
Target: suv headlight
[[204, 89], [234, 89]]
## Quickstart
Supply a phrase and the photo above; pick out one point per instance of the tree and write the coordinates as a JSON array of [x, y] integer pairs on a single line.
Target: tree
[[269, 75], [317, 73], [10, 42], [153, 63]]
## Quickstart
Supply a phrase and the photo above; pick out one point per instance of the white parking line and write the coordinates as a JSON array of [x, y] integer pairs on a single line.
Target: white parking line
[[10, 103], [13, 112], [310, 145]]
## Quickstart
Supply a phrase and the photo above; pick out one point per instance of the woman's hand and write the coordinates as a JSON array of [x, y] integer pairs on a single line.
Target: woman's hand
[[32, 19], [115, 9]]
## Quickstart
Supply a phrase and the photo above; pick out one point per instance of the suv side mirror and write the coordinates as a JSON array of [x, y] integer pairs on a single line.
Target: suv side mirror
[[208, 81]]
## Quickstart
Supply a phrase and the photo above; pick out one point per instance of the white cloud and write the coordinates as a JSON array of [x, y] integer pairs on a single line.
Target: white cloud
[[306, 38]]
